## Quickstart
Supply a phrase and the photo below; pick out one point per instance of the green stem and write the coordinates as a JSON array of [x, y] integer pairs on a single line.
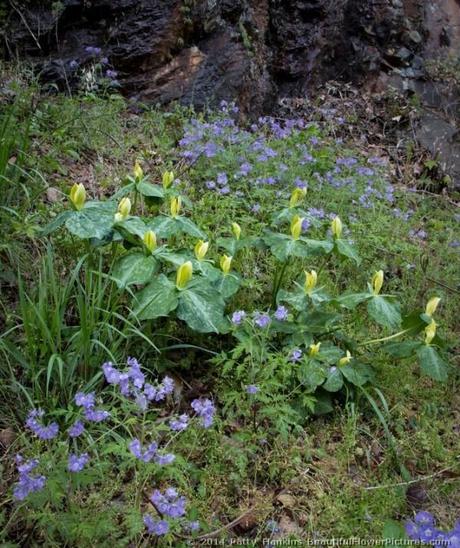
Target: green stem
[[278, 282], [375, 341]]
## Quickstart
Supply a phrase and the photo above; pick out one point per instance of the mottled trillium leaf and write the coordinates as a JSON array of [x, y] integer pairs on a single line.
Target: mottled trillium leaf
[[133, 226], [157, 299], [207, 269], [164, 226], [431, 363], [352, 300], [329, 353], [189, 227], [147, 189], [347, 250], [402, 349], [232, 245], [56, 223], [384, 312], [228, 285], [202, 309], [311, 374], [296, 299], [91, 222], [334, 380], [354, 375], [133, 268]]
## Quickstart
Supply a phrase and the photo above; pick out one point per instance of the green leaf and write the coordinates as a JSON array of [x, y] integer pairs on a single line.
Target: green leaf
[[147, 189], [392, 530], [133, 268], [403, 349], [202, 309], [347, 250], [352, 300], [56, 223], [189, 227], [384, 312], [311, 374], [132, 225], [297, 299], [207, 269], [158, 299], [228, 285], [352, 373], [90, 222], [431, 363], [164, 226], [334, 381]]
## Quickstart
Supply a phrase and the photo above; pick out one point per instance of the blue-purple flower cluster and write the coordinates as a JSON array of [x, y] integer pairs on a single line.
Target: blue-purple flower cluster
[[261, 319], [27, 482], [132, 383], [88, 403], [43, 432], [168, 504], [151, 452], [205, 410], [423, 528]]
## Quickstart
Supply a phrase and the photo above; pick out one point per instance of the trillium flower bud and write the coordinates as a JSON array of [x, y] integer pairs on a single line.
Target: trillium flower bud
[[124, 209], [176, 204], [225, 263], [236, 229], [168, 179], [184, 275], [296, 227], [201, 248], [78, 196], [150, 240], [314, 349], [337, 227], [298, 194], [432, 305], [138, 173], [311, 279], [346, 359], [377, 282], [430, 332]]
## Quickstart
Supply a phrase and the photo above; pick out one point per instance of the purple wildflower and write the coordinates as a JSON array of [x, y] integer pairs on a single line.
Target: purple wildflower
[[112, 74], [261, 320], [158, 528], [76, 463], [96, 415], [170, 503], [86, 401], [281, 313], [42, 432], [27, 484], [76, 429], [180, 424], [238, 317], [296, 354], [166, 459], [146, 456], [252, 389], [205, 409]]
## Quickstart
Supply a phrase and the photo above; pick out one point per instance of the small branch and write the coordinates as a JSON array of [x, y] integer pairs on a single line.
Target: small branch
[[403, 483], [24, 20]]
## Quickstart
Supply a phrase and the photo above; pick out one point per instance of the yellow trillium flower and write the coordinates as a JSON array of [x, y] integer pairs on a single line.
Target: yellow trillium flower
[[124, 209], [201, 248], [78, 196], [432, 305], [236, 229], [430, 332], [184, 275], [377, 282], [314, 349], [346, 359], [226, 263], [298, 194], [337, 227], [168, 179], [138, 173], [311, 279], [150, 240], [296, 227], [176, 204]]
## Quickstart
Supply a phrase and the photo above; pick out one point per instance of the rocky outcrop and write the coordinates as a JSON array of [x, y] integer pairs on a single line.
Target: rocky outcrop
[[254, 52]]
